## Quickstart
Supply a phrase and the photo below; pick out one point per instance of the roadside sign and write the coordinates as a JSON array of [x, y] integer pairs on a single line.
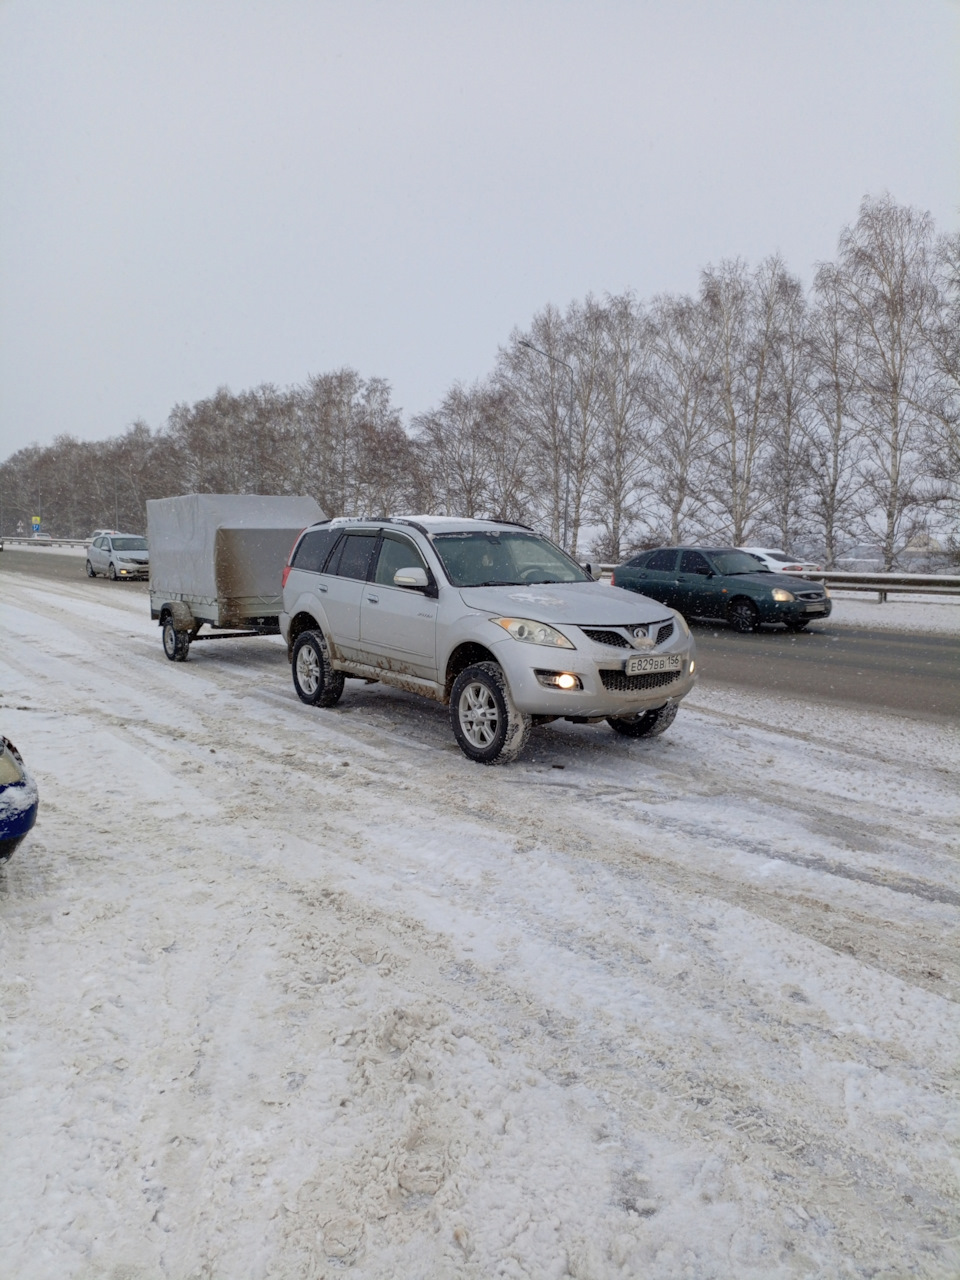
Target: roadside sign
[[35, 521]]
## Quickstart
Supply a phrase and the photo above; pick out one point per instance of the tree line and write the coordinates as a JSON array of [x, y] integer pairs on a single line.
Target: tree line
[[753, 411]]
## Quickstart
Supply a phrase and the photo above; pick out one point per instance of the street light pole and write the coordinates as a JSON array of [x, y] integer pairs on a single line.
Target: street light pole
[[564, 542]]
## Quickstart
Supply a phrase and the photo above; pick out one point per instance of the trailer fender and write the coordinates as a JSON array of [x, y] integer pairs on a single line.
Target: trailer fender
[[183, 619]]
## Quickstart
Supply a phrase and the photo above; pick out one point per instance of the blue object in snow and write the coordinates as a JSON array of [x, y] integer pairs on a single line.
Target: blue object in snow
[[18, 799]]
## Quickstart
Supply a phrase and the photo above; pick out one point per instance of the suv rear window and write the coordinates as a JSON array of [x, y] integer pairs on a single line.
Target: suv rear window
[[352, 557], [313, 549]]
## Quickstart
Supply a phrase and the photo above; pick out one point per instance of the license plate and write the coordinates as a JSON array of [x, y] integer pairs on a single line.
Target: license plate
[[643, 663], [816, 608]]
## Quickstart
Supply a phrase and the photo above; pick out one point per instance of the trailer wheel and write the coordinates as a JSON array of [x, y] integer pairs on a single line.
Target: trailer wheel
[[315, 681], [176, 644]]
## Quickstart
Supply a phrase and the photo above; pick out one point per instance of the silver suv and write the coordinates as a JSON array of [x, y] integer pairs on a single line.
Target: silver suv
[[485, 616]]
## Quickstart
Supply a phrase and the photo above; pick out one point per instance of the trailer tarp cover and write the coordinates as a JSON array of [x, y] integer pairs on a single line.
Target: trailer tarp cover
[[219, 547]]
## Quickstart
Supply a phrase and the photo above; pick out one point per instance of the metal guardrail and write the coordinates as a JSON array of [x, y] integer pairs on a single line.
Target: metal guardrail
[[44, 542], [884, 584]]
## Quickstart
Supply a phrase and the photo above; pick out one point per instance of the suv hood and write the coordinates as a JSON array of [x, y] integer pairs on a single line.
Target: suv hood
[[589, 604]]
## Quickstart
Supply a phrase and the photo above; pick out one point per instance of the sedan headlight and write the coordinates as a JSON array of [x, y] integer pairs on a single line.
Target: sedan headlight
[[781, 596], [531, 632]]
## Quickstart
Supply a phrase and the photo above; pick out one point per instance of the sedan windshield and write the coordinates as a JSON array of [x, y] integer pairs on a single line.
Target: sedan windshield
[[733, 562], [504, 559], [129, 544]]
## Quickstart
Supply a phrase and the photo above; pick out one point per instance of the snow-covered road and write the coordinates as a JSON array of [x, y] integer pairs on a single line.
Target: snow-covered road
[[292, 993]]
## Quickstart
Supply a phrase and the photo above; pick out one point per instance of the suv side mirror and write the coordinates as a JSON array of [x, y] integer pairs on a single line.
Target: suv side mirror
[[594, 570], [412, 577]]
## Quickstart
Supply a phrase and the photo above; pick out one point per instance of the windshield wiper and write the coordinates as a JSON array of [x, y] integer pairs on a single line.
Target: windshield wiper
[[495, 582]]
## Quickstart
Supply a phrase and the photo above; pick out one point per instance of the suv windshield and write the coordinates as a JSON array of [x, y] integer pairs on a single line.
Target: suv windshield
[[732, 562], [129, 544], [504, 559]]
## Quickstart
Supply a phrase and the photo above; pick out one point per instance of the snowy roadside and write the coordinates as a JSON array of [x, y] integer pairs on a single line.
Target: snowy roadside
[[289, 993], [905, 613]]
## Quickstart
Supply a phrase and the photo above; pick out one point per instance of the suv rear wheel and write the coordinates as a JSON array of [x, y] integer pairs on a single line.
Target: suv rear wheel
[[315, 681], [487, 726]]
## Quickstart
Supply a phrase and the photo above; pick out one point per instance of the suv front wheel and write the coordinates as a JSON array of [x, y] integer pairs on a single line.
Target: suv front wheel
[[487, 726], [648, 724], [314, 679]]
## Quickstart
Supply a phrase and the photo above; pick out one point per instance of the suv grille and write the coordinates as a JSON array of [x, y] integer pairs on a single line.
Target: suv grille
[[809, 595], [606, 637], [617, 682], [603, 635]]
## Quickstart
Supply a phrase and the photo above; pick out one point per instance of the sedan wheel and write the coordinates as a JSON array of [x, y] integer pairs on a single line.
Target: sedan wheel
[[743, 615], [91, 573], [112, 572]]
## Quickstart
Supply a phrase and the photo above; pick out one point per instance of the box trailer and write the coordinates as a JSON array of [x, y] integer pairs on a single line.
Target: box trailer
[[216, 561]]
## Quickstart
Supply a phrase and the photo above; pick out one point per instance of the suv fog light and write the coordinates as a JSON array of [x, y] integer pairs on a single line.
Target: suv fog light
[[693, 665], [559, 680]]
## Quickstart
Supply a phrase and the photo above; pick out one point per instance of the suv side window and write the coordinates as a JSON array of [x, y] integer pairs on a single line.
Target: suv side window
[[661, 561], [313, 549], [396, 553], [694, 562], [352, 558]]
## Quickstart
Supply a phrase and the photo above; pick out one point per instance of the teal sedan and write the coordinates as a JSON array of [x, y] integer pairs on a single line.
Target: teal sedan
[[722, 582]]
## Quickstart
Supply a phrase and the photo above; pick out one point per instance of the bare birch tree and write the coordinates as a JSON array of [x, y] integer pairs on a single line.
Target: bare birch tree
[[681, 399], [888, 292]]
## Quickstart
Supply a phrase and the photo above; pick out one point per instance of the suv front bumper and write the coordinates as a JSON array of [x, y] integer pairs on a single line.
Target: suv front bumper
[[605, 688]]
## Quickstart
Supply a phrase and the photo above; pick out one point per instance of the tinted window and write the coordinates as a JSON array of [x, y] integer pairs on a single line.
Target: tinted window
[[661, 561], [737, 562], [129, 544], [396, 553], [693, 562], [638, 562], [355, 552], [313, 549]]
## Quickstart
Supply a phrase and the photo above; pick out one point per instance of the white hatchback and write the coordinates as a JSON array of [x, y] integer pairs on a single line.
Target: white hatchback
[[118, 555]]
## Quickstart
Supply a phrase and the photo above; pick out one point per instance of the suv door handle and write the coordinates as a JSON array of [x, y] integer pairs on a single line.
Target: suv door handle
[[321, 586], [373, 599]]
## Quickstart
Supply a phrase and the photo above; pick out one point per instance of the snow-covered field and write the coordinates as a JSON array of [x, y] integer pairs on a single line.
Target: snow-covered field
[[292, 993]]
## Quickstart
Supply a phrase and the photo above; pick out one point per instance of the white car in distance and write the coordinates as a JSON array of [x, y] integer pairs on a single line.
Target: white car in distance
[[118, 555], [780, 562]]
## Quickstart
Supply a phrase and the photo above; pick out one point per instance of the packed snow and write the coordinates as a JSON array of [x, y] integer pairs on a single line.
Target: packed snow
[[293, 994]]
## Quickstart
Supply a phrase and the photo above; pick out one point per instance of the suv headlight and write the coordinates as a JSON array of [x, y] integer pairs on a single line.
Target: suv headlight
[[681, 623], [781, 596], [531, 632]]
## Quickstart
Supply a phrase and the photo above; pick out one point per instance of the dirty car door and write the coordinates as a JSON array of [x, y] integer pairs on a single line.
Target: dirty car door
[[398, 625], [696, 591], [658, 577], [341, 589]]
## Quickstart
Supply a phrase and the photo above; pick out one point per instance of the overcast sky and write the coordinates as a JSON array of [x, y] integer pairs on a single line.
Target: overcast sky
[[201, 194]]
